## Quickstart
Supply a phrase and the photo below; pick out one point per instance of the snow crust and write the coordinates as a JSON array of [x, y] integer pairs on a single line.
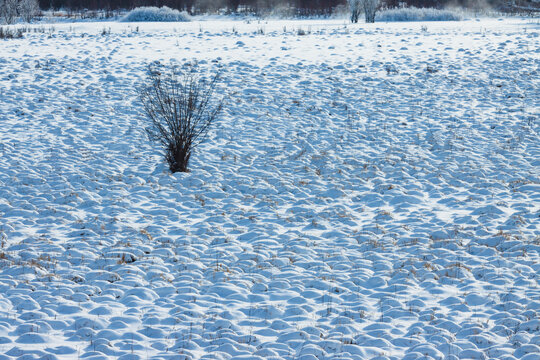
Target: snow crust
[[370, 191]]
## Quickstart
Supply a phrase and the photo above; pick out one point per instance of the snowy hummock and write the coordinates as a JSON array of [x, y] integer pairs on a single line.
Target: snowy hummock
[[370, 191]]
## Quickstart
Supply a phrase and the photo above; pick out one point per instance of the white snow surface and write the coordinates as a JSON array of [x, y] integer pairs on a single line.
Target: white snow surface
[[369, 191]]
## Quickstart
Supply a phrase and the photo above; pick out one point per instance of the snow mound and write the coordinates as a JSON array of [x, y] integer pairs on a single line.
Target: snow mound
[[418, 14], [152, 13]]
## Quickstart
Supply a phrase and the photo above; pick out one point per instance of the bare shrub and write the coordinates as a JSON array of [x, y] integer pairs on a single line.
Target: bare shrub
[[302, 32], [181, 108]]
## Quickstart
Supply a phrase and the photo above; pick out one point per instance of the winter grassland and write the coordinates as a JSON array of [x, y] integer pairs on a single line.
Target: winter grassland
[[369, 191]]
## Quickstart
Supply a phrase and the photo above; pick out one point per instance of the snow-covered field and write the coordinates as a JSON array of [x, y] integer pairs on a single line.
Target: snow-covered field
[[370, 191]]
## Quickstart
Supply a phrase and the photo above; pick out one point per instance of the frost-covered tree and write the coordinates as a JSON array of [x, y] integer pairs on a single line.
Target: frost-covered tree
[[28, 9], [355, 8], [370, 9], [8, 10]]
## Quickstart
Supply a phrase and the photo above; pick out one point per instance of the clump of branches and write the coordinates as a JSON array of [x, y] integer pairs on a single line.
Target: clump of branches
[[181, 107]]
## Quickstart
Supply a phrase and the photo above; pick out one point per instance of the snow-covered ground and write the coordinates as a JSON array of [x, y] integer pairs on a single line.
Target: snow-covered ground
[[370, 191]]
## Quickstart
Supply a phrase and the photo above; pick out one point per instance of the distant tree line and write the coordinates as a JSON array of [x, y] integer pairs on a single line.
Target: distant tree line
[[474, 4], [198, 6], [294, 7]]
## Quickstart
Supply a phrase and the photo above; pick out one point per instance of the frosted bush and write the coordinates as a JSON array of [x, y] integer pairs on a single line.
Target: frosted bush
[[8, 11], [152, 13], [417, 14], [28, 9]]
